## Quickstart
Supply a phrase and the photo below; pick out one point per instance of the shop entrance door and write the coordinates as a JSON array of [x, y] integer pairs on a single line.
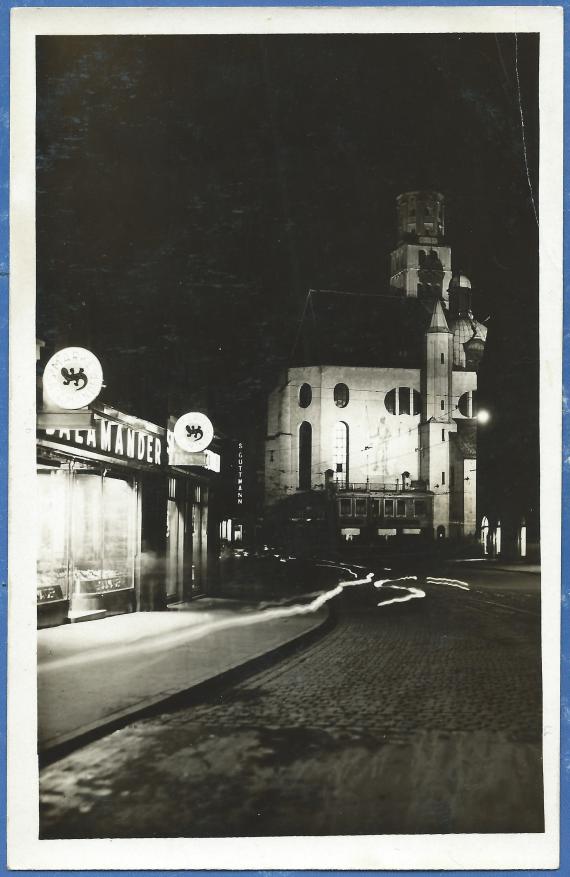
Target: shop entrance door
[[198, 500]]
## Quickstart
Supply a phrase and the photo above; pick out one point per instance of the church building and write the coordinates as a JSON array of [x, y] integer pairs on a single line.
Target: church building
[[371, 431]]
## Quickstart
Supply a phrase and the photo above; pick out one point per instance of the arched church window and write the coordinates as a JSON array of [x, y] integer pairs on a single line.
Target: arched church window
[[341, 395], [341, 451], [305, 395], [305, 454]]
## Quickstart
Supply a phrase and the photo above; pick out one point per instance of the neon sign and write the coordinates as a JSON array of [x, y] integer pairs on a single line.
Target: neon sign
[[240, 474]]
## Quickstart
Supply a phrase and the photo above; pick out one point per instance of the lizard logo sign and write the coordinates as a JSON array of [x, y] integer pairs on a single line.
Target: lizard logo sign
[[193, 432], [73, 378]]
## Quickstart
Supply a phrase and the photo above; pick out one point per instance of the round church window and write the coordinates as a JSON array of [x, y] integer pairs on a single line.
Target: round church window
[[467, 404], [403, 400]]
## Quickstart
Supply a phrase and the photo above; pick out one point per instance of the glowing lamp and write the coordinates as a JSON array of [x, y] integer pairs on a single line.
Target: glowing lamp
[[483, 416]]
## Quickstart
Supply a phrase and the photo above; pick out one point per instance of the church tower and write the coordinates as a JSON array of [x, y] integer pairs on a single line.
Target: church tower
[[437, 421], [420, 266]]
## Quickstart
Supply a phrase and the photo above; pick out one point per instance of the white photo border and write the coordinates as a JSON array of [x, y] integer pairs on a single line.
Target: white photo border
[[394, 852]]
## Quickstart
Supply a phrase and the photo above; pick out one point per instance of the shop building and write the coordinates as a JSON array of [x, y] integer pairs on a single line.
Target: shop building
[[122, 526]]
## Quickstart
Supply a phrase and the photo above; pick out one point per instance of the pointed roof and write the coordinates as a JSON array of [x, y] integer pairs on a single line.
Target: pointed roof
[[355, 329], [438, 321]]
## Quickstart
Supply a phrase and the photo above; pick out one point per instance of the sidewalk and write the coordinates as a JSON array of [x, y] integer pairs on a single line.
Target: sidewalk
[[96, 673], [491, 563]]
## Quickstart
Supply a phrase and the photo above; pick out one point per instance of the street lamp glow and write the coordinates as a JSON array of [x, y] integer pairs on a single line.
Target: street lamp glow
[[483, 416]]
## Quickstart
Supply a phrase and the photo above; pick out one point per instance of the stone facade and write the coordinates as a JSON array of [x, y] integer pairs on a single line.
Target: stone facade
[[393, 446]]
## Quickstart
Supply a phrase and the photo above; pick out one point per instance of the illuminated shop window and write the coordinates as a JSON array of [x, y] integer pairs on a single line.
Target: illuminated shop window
[[346, 508], [522, 539], [401, 508], [403, 400], [485, 535], [375, 508], [103, 532], [305, 453], [341, 395], [305, 395], [389, 508], [497, 538], [53, 502]]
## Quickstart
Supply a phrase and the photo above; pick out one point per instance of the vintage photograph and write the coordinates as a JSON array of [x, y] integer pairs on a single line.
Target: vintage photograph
[[287, 508]]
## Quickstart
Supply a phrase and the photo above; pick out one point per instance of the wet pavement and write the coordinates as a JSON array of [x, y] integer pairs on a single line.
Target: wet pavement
[[421, 716]]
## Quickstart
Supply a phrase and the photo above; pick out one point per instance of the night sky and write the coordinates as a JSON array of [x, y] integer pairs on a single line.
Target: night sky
[[190, 190]]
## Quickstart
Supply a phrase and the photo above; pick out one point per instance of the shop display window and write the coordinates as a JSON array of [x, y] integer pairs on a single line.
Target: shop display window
[[86, 532], [53, 543], [118, 534], [102, 532]]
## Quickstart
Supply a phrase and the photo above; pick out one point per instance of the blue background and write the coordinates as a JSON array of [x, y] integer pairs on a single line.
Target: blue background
[[5, 8]]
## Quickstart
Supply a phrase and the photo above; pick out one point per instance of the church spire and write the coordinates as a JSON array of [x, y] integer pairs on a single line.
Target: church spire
[[438, 321]]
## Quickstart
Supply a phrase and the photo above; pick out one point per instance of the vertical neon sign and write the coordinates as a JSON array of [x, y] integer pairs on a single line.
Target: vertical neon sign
[[240, 474]]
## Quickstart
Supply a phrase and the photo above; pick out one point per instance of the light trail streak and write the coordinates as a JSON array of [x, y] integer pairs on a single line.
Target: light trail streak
[[150, 644], [452, 583], [381, 582], [413, 594], [154, 643]]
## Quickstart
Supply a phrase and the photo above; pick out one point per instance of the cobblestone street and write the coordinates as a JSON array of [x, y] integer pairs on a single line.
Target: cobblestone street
[[417, 717]]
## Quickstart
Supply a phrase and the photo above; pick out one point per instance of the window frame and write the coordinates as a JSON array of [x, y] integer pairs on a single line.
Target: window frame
[[422, 511], [341, 401], [359, 500], [303, 390], [305, 448]]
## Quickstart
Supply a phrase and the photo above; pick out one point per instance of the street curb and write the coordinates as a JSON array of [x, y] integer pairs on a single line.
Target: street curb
[[529, 572], [187, 696], [515, 568]]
